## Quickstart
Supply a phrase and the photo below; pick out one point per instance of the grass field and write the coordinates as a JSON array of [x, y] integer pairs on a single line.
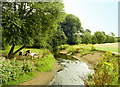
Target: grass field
[[113, 47]]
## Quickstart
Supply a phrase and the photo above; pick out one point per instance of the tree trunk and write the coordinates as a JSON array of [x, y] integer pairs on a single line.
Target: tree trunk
[[11, 51], [18, 50]]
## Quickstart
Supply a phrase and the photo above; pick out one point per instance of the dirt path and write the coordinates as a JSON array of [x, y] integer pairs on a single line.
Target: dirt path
[[43, 78]]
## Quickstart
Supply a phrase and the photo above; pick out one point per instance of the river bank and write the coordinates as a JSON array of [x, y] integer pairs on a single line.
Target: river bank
[[43, 78], [90, 59]]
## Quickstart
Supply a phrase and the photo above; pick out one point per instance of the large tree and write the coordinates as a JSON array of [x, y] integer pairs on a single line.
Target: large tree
[[71, 26], [86, 38], [100, 37], [24, 22]]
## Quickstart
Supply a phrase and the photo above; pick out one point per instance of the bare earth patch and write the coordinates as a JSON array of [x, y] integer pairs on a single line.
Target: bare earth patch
[[43, 78], [89, 59]]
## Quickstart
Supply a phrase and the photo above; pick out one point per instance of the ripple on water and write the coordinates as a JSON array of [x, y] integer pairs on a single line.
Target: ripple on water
[[69, 75]]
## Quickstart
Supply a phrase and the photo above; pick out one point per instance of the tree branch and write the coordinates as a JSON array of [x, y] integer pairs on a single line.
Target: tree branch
[[18, 50]]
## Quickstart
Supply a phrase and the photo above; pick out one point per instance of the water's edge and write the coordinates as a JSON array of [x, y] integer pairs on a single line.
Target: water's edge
[[72, 71]]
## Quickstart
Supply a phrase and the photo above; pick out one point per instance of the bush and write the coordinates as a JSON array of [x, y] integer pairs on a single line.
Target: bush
[[100, 37], [13, 69], [87, 38], [27, 66], [106, 71], [110, 39]]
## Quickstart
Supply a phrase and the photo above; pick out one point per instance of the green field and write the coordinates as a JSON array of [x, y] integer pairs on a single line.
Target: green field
[[113, 47]]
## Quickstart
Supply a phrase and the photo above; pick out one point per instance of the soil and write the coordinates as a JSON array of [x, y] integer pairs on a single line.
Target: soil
[[43, 78], [90, 59]]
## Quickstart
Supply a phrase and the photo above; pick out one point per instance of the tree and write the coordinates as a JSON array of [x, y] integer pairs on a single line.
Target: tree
[[88, 30], [100, 37], [103, 32], [94, 39], [50, 14], [111, 34], [24, 22], [86, 38], [59, 39], [110, 39], [71, 26]]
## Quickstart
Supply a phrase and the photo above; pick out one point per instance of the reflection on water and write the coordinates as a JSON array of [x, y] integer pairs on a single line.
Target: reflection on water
[[69, 74]]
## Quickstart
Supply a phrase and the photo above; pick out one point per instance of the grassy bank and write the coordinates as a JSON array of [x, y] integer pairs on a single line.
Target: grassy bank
[[19, 70]]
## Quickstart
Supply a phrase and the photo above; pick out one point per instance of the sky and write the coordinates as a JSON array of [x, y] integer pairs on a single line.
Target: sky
[[96, 15]]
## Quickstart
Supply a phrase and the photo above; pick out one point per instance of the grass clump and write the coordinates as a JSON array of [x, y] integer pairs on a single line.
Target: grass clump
[[45, 64]]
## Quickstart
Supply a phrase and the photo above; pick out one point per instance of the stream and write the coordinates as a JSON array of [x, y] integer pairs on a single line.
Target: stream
[[71, 72]]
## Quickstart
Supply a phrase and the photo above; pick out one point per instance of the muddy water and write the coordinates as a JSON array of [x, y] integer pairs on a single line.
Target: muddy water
[[71, 72]]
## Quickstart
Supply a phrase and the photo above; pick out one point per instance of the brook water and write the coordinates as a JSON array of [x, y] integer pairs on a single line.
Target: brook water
[[71, 72]]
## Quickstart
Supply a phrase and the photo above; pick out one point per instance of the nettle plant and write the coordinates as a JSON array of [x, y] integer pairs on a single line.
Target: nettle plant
[[106, 71], [12, 69]]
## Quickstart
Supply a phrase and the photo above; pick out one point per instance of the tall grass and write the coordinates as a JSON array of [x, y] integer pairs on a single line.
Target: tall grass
[[45, 64]]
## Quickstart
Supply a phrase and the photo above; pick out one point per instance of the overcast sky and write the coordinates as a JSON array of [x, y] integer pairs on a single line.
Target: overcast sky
[[96, 15]]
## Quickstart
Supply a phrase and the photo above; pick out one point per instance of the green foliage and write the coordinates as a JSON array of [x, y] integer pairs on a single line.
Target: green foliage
[[94, 39], [13, 69], [49, 15], [100, 37], [93, 48], [88, 30], [31, 25], [58, 39], [16, 71], [71, 50], [106, 71], [110, 39], [77, 39], [71, 27], [62, 47], [45, 64], [20, 79], [117, 39], [27, 66], [14, 29], [112, 34], [86, 38], [82, 49]]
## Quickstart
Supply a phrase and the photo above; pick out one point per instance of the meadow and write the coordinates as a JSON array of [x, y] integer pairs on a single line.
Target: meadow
[[113, 47]]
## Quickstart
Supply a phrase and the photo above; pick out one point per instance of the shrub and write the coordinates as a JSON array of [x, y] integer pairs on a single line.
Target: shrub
[[13, 69], [27, 66], [100, 37], [106, 71], [87, 38]]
